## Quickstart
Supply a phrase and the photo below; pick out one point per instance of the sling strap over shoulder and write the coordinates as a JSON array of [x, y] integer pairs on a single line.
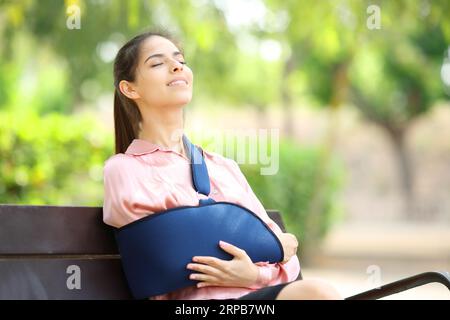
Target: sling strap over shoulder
[[200, 177]]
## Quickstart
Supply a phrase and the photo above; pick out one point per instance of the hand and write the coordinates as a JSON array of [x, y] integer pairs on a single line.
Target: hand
[[290, 245], [239, 272]]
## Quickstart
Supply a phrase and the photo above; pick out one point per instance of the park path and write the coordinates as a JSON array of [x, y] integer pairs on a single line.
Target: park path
[[354, 252]]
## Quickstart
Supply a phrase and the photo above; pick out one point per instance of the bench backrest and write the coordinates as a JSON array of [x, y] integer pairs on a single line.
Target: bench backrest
[[62, 252]]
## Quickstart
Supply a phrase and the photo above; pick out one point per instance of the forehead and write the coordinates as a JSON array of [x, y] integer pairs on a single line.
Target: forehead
[[157, 44]]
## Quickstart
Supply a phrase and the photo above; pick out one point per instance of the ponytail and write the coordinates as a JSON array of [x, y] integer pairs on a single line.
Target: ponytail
[[126, 121]]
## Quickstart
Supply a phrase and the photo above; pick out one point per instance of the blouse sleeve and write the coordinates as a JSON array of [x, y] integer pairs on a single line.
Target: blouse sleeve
[[269, 273], [118, 206]]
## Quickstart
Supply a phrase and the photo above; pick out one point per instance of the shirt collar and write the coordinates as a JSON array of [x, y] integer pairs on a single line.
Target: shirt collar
[[140, 147]]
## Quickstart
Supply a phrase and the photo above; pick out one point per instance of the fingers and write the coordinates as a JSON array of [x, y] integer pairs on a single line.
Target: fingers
[[293, 238], [211, 261], [205, 280], [286, 260], [203, 269], [209, 275], [233, 250], [203, 277], [215, 262]]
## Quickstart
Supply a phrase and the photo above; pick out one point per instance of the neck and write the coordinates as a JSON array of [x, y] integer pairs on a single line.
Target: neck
[[164, 128]]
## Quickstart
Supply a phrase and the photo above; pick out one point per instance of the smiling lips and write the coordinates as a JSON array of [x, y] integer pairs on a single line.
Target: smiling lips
[[178, 82]]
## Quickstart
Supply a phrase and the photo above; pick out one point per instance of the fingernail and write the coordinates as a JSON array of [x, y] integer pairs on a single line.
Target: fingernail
[[223, 243]]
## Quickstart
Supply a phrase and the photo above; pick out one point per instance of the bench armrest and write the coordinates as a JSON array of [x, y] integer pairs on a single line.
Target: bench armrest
[[421, 279]]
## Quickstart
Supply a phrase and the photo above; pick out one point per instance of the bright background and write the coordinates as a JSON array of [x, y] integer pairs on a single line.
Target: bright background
[[363, 115]]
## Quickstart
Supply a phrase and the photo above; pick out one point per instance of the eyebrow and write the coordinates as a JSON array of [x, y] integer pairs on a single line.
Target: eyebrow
[[160, 55]]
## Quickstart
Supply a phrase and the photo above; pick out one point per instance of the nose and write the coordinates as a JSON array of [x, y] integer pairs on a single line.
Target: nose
[[176, 66]]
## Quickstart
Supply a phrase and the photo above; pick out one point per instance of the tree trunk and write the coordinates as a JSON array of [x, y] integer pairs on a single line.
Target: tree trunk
[[405, 170]]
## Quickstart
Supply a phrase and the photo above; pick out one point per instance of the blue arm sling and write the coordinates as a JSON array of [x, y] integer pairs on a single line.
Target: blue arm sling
[[156, 249]]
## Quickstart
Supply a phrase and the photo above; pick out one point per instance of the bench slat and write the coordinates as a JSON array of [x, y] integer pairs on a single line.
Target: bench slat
[[42, 279], [60, 230], [54, 230]]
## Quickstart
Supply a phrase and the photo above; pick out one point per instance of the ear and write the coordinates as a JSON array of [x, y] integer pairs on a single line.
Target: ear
[[127, 88]]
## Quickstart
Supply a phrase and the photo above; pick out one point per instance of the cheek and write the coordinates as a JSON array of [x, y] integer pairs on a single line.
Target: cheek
[[152, 78], [151, 84]]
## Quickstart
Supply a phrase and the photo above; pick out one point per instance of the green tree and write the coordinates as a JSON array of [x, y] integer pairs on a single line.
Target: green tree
[[395, 77], [390, 74]]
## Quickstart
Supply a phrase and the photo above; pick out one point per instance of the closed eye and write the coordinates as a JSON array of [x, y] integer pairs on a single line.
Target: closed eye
[[158, 64]]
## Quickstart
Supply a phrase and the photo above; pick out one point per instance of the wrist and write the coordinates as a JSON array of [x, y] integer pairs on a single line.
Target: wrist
[[255, 277], [256, 273]]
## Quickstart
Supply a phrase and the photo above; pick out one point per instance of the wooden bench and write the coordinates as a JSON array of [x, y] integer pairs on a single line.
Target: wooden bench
[[67, 252]]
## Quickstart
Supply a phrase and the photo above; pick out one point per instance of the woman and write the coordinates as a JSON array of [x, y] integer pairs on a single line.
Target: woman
[[150, 173]]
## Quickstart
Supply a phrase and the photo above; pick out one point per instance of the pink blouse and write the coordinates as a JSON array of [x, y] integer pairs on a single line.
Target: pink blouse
[[149, 178]]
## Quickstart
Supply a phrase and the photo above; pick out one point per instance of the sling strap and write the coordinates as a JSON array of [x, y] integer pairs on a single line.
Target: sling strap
[[199, 171]]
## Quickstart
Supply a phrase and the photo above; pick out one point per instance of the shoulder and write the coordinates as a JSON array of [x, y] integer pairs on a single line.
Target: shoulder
[[224, 163], [116, 160], [118, 165], [219, 159]]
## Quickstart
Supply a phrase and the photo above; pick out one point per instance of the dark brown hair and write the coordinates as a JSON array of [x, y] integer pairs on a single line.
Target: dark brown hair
[[126, 113]]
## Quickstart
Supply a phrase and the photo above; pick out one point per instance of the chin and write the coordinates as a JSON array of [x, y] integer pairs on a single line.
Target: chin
[[180, 102]]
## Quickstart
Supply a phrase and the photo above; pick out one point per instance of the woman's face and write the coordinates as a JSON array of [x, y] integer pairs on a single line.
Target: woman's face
[[162, 78]]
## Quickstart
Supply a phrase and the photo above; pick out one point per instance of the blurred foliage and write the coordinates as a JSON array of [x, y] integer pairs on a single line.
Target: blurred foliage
[[87, 53], [293, 190], [391, 74], [52, 159], [403, 65]]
